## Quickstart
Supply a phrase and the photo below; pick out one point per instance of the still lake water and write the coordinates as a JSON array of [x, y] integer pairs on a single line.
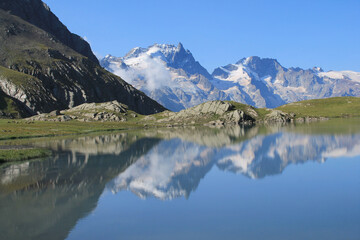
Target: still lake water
[[278, 182]]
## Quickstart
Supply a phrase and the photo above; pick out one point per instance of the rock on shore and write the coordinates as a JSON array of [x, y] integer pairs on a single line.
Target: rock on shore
[[88, 112]]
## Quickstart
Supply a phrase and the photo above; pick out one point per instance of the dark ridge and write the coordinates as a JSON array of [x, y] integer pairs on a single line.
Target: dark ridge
[[39, 14]]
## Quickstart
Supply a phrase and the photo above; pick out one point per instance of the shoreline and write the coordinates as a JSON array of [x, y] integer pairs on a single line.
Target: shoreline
[[15, 147]]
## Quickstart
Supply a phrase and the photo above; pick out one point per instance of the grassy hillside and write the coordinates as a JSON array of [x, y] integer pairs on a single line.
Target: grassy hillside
[[329, 107], [18, 78]]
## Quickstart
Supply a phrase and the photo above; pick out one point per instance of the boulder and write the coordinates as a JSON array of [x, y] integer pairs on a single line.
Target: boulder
[[107, 111], [236, 116], [213, 107], [114, 106], [277, 116]]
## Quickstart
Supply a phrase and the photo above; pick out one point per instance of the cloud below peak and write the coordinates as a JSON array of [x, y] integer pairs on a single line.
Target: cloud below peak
[[151, 71]]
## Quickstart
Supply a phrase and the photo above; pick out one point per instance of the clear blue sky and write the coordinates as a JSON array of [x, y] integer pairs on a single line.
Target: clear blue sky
[[304, 33]]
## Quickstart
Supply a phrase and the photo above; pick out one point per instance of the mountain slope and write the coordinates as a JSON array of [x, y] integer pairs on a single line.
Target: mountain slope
[[38, 13], [167, 73], [43, 74]]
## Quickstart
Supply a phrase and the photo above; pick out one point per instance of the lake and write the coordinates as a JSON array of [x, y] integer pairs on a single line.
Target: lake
[[263, 182]]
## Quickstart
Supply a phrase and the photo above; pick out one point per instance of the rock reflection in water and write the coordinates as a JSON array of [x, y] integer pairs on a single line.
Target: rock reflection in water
[[45, 199]]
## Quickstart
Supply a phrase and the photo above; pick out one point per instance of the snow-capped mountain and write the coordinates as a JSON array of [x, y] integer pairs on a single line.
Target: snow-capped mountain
[[167, 73], [170, 75], [265, 83]]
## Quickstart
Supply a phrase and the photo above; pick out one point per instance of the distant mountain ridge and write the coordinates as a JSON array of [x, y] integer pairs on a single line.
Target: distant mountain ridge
[[182, 82], [265, 83]]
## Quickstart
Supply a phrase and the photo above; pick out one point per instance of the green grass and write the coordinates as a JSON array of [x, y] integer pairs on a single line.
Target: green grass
[[21, 129], [18, 78], [10, 129], [23, 154], [329, 107]]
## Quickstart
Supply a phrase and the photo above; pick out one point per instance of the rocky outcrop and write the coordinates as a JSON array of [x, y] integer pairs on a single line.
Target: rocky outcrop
[[88, 112], [44, 74], [113, 106], [213, 107], [278, 116], [209, 113], [238, 116]]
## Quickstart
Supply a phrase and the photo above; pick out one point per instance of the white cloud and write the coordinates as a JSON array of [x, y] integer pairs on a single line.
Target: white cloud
[[152, 71]]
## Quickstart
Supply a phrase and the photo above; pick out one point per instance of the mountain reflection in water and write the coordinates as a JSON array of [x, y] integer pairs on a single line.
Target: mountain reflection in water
[[45, 199], [174, 167]]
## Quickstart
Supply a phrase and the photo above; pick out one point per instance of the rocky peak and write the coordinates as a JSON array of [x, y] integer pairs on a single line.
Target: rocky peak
[[166, 73], [184, 59], [135, 52], [317, 69], [109, 60], [181, 55], [39, 14], [262, 66], [169, 53], [180, 47], [176, 57]]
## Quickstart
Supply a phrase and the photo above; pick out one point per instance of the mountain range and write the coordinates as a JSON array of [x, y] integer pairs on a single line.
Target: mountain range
[[44, 67], [170, 75]]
